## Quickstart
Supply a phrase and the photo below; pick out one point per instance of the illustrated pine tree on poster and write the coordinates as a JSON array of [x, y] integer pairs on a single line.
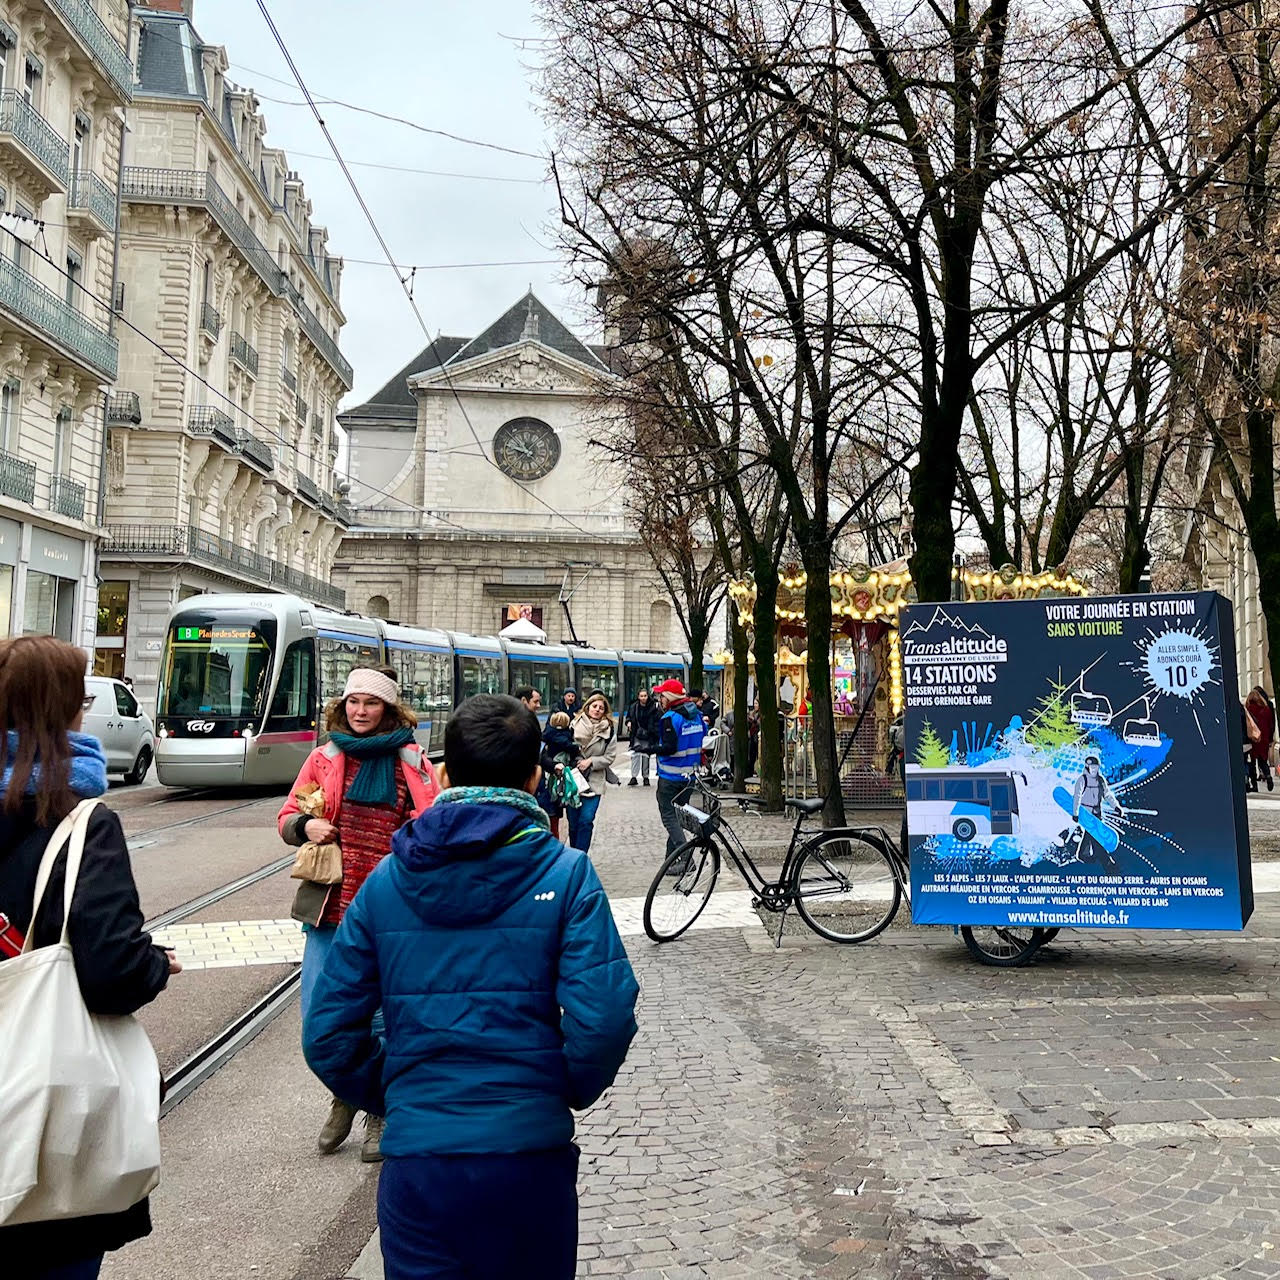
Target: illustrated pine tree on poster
[[1051, 726], [931, 752]]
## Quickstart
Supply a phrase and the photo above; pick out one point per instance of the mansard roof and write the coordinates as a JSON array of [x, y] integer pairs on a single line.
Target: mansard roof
[[527, 319]]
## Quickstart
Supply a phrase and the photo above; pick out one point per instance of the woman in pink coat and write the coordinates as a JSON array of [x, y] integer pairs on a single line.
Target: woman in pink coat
[[375, 779]]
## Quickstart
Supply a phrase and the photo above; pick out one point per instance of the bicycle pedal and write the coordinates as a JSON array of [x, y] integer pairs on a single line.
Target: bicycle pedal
[[755, 904]]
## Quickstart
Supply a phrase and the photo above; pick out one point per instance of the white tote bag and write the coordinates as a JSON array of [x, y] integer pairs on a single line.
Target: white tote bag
[[79, 1092]]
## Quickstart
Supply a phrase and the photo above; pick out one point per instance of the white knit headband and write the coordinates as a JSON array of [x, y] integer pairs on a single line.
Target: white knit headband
[[364, 680]]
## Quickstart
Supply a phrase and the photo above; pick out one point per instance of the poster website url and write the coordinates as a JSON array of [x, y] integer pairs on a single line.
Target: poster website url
[[1080, 916]]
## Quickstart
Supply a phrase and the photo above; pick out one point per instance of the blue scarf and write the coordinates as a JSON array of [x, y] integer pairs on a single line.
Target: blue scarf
[[88, 766], [512, 798], [375, 782]]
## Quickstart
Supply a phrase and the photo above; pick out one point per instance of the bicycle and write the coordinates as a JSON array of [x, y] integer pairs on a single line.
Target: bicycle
[[846, 883]]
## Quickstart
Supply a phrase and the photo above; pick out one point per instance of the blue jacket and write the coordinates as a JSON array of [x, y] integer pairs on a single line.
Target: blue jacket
[[508, 997]]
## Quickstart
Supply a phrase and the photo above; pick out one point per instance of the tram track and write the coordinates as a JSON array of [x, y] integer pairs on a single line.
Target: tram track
[[137, 837], [175, 915], [186, 1078]]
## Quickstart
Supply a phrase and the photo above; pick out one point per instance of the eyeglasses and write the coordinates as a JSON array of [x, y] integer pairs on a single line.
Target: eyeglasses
[[86, 703]]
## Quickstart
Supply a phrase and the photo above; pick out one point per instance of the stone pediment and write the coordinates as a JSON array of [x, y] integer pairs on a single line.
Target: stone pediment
[[527, 366]]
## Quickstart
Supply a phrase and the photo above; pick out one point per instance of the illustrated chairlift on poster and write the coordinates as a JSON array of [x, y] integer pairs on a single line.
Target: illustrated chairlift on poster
[[1144, 732], [1090, 710]]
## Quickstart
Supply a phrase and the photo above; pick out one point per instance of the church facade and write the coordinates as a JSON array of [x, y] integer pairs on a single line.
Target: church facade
[[477, 495]]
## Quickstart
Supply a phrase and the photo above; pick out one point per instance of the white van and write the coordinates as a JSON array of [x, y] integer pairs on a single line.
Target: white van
[[122, 726]]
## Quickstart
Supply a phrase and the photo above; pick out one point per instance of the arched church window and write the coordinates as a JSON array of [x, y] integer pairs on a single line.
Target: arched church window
[[378, 607], [659, 625]]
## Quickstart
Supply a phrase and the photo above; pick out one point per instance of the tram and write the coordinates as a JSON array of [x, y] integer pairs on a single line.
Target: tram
[[244, 680]]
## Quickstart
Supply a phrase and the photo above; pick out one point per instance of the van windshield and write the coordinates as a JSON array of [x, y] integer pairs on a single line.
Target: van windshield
[[216, 666]]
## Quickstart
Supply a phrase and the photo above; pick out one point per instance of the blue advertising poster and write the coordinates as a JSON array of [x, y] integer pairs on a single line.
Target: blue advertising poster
[[1076, 763]]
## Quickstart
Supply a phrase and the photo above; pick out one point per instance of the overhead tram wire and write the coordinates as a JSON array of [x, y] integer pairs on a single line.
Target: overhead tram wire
[[386, 249]]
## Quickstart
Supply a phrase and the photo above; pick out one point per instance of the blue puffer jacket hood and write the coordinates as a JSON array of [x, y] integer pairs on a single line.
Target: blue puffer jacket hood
[[486, 865]]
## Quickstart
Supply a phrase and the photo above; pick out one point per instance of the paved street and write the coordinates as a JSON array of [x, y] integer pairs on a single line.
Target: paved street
[[893, 1110]]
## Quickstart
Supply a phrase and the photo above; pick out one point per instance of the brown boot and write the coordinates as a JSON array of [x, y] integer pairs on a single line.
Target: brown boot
[[336, 1127], [371, 1147]]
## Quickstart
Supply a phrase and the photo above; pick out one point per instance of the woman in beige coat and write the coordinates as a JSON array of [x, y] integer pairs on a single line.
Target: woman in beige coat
[[597, 738]]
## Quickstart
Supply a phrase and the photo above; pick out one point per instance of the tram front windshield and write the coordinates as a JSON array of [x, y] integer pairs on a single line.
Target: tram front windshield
[[217, 666]]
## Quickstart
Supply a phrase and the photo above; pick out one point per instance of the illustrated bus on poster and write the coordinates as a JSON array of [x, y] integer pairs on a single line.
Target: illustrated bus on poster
[[962, 802]]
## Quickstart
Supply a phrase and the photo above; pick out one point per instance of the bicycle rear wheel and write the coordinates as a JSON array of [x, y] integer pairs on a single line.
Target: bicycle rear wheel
[[681, 889], [845, 888], [1004, 946]]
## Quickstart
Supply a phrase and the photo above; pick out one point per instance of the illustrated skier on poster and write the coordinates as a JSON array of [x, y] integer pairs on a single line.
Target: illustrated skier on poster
[[1091, 791]]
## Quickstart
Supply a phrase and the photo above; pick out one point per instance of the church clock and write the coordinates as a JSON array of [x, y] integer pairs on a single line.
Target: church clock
[[526, 449]]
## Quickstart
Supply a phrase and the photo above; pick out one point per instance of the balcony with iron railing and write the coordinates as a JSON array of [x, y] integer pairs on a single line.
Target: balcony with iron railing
[[94, 35], [308, 488], [192, 186], [205, 420], [66, 497], [244, 354], [45, 151], [300, 408], [17, 478], [257, 451], [185, 542], [124, 407], [90, 195], [210, 321], [290, 380], [31, 302]]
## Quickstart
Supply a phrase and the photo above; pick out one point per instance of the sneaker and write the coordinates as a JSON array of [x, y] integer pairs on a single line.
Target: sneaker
[[677, 869], [336, 1127], [633, 783], [646, 782], [1271, 786], [371, 1147]]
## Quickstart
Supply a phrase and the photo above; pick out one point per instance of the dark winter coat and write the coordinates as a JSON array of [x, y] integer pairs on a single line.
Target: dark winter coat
[[119, 971], [508, 997], [561, 742], [644, 721]]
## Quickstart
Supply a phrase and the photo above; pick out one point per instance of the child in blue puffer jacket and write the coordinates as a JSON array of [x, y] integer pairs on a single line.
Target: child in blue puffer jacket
[[509, 1003]]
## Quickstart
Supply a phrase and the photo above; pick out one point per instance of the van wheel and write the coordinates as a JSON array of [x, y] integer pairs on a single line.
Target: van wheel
[[964, 829], [140, 768]]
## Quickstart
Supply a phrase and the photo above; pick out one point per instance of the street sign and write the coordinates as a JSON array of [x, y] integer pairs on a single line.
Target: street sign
[[1076, 762]]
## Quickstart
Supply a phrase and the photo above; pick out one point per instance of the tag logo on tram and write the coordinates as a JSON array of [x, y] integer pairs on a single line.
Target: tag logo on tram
[[201, 726]]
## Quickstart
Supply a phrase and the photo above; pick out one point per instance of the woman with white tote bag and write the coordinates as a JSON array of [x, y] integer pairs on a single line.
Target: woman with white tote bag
[[48, 769]]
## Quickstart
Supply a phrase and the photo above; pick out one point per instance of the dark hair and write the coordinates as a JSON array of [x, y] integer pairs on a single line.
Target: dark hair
[[695, 694], [41, 693], [525, 692], [492, 740], [396, 715]]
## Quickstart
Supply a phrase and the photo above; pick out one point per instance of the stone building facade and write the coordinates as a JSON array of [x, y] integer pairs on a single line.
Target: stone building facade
[[220, 464], [65, 78], [476, 491]]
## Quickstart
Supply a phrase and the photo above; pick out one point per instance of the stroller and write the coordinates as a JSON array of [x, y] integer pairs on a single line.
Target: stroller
[[715, 770]]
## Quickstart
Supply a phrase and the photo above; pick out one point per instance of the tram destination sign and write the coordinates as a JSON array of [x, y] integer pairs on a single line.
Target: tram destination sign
[[1076, 763]]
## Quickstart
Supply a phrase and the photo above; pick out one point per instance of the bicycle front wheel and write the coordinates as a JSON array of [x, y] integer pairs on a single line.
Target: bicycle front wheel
[[680, 890], [845, 888], [1004, 946]]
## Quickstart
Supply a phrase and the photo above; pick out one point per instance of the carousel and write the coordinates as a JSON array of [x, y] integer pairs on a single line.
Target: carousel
[[866, 664]]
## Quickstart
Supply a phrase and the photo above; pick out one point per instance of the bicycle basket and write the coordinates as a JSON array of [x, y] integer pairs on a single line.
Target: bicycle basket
[[699, 822]]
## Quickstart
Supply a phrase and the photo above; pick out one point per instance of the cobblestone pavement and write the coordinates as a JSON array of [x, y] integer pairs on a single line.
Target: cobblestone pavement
[[895, 1110]]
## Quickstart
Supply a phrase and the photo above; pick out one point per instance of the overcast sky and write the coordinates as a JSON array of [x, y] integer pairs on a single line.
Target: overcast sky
[[453, 65]]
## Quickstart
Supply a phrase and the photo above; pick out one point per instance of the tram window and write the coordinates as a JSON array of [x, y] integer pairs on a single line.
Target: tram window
[[337, 657], [603, 678], [520, 672], [293, 707], [424, 680], [557, 682], [479, 675], [216, 668]]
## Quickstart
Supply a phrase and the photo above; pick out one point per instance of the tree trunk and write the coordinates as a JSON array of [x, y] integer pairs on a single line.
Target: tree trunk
[[822, 723], [741, 699], [932, 493], [1135, 560], [764, 643], [699, 630]]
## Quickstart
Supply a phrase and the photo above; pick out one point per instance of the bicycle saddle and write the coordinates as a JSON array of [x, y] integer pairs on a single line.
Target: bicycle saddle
[[806, 806]]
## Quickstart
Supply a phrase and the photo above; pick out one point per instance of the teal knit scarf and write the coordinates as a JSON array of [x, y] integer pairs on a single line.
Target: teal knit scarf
[[512, 798], [375, 782]]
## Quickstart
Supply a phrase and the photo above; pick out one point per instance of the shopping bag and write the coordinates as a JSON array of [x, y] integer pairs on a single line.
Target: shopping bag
[[319, 863], [80, 1102]]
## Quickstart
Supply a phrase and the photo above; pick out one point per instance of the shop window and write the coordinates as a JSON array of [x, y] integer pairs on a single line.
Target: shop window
[[113, 609], [49, 608], [6, 599]]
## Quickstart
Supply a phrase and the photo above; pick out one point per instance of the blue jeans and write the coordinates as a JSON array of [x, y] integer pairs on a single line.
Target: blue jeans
[[86, 1270], [482, 1217], [582, 822], [315, 951]]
